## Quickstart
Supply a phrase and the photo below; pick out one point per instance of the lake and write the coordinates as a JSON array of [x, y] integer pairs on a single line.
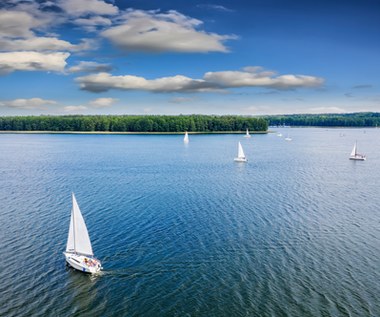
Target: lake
[[183, 230]]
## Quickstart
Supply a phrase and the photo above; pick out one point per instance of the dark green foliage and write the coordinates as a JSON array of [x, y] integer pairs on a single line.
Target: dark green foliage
[[129, 123], [360, 119]]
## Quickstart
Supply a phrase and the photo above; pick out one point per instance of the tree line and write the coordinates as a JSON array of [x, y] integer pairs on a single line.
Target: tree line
[[133, 123], [360, 119]]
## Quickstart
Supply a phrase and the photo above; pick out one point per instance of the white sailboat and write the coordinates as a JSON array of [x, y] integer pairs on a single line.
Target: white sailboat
[[247, 135], [241, 156], [279, 134], [288, 138], [79, 253], [186, 138], [355, 155]]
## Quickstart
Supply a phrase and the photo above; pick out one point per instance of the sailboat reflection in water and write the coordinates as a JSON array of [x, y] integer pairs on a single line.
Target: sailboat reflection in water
[[79, 253]]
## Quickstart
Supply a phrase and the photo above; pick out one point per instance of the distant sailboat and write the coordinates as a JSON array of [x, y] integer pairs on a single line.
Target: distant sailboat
[[355, 155], [79, 253], [241, 156], [279, 134], [288, 138], [247, 135], [186, 138]]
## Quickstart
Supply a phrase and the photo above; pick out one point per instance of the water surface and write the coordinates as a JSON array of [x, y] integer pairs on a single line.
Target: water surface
[[182, 230]]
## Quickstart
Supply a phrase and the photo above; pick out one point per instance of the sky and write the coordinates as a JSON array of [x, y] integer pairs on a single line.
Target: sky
[[257, 57]]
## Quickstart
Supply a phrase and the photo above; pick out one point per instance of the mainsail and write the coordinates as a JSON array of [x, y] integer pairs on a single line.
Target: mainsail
[[186, 138], [78, 240], [353, 152], [240, 151]]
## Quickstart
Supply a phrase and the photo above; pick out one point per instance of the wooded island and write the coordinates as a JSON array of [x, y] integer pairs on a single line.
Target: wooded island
[[133, 123]]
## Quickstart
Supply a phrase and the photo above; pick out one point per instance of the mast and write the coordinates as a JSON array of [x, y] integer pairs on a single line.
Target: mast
[[72, 215]]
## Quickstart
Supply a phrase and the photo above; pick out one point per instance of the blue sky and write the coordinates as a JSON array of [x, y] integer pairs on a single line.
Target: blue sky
[[183, 57]]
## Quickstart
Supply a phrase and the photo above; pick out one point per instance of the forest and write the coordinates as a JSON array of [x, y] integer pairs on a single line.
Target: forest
[[180, 123], [359, 119], [133, 123]]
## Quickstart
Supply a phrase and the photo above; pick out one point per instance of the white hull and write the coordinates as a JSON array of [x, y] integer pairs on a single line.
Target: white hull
[[358, 157], [288, 139], [83, 263], [240, 159]]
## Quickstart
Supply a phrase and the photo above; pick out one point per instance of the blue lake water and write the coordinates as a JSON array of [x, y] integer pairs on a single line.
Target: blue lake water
[[184, 231]]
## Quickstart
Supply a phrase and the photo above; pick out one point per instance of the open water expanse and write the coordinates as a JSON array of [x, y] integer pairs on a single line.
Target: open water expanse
[[183, 230]]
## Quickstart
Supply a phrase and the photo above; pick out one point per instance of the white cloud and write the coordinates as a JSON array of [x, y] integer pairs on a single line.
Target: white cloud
[[28, 104], [104, 81], [102, 102], [211, 81], [90, 24], [85, 7], [32, 61], [90, 67], [149, 31], [74, 109], [256, 78], [17, 24], [42, 44]]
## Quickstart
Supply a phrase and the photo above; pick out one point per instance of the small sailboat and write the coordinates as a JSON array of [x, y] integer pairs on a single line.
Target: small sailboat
[[241, 157], [186, 138], [79, 253], [288, 138], [355, 155], [279, 134], [247, 135]]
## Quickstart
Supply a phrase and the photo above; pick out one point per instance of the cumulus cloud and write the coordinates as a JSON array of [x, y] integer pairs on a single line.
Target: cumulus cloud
[[32, 61], [41, 44], [211, 81], [255, 77], [102, 102], [85, 7], [104, 81], [90, 67], [150, 31], [91, 24], [74, 108], [19, 23], [28, 104]]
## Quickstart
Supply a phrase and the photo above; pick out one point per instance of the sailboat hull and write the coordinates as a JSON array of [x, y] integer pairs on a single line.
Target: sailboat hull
[[240, 159], [358, 158], [83, 263]]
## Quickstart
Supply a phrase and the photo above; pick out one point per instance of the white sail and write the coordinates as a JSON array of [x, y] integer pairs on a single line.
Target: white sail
[[186, 138], [247, 135], [78, 240], [240, 151], [353, 152]]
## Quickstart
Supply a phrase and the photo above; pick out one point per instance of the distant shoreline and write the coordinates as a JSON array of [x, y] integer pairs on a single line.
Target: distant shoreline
[[132, 133]]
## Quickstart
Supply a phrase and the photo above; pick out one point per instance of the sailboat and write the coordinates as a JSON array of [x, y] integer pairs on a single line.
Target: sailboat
[[288, 138], [247, 135], [355, 155], [241, 157], [186, 138], [79, 253], [279, 134]]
